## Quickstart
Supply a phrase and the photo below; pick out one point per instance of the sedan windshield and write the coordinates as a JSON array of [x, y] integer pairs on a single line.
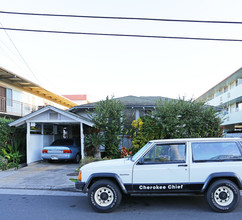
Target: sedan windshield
[[140, 152]]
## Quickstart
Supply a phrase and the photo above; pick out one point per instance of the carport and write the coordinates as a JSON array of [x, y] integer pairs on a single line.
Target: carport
[[47, 124]]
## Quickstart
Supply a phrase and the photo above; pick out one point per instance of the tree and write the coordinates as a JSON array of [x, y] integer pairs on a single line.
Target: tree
[[143, 130], [95, 140], [187, 119], [108, 117], [176, 119]]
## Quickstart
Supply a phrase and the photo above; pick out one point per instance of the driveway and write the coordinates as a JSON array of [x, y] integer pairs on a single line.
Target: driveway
[[40, 175]]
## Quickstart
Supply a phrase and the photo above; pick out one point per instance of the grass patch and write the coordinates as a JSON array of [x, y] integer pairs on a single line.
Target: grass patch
[[73, 180]]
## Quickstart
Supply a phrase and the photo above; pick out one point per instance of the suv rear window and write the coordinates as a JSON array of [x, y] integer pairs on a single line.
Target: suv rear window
[[216, 151]]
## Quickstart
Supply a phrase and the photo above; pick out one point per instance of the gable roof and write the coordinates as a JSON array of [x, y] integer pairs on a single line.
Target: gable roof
[[128, 101], [67, 114]]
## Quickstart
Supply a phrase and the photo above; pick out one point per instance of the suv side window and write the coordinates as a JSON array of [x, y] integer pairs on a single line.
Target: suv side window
[[216, 151], [166, 153]]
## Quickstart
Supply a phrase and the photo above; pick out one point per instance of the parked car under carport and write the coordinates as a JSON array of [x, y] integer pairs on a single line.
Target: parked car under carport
[[62, 149]]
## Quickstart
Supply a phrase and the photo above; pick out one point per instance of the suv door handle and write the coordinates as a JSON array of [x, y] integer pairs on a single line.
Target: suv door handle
[[182, 165]]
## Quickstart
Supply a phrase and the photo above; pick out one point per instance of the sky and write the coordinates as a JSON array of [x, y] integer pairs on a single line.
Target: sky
[[101, 66]]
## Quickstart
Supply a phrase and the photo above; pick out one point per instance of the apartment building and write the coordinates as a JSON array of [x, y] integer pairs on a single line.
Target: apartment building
[[227, 95], [19, 96]]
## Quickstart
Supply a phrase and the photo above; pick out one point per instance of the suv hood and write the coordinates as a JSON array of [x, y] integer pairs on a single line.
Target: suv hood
[[107, 165]]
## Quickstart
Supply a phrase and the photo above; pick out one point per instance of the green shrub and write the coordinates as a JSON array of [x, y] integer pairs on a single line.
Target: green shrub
[[12, 143], [3, 163], [12, 155]]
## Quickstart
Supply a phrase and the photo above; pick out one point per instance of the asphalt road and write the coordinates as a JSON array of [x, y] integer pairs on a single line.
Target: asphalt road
[[63, 205]]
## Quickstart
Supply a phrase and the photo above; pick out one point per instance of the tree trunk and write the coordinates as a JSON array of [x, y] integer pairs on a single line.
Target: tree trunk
[[97, 153]]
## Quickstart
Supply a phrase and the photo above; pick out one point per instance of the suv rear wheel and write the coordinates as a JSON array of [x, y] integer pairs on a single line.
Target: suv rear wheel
[[223, 195], [104, 196]]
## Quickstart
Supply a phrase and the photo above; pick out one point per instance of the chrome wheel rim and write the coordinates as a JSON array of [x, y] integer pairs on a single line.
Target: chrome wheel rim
[[104, 196], [224, 196]]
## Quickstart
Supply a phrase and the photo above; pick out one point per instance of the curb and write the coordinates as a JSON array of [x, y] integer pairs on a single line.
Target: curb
[[66, 189]]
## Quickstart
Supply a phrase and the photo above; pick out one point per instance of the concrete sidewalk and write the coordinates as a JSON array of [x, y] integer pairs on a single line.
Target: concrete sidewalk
[[40, 176]]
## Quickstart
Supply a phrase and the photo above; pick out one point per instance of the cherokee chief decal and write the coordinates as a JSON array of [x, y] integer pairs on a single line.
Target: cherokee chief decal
[[161, 187]]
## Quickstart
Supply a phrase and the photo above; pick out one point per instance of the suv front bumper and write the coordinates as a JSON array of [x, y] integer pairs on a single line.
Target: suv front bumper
[[80, 185]]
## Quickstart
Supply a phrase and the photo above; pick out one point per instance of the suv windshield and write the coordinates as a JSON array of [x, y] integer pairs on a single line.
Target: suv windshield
[[141, 151]]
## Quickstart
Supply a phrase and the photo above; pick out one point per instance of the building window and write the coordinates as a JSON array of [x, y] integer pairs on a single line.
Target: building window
[[9, 97], [239, 106], [226, 89]]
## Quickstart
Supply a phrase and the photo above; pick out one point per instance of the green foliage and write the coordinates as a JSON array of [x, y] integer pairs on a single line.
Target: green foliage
[[73, 180], [143, 130], [12, 143], [12, 155], [108, 117], [5, 131], [3, 163], [87, 160], [187, 119], [176, 119], [94, 140]]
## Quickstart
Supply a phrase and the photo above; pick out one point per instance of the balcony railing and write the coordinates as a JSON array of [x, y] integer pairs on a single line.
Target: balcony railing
[[224, 98], [232, 118], [16, 108]]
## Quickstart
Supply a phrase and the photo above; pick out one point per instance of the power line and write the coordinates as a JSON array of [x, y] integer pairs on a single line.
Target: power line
[[5, 30], [124, 35], [123, 18]]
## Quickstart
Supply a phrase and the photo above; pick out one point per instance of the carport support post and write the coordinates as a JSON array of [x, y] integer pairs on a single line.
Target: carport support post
[[28, 150], [82, 140]]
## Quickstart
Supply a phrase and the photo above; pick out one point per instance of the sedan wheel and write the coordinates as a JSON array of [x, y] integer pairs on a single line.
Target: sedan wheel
[[77, 158]]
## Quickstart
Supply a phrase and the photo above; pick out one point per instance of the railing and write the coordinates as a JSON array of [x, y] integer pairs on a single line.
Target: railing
[[232, 118], [16, 108], [226, 97]]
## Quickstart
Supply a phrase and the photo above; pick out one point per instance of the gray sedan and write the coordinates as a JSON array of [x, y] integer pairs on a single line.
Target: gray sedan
[[63, 149]]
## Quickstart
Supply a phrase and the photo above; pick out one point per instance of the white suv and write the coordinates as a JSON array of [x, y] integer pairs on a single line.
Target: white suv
[[211, 166]]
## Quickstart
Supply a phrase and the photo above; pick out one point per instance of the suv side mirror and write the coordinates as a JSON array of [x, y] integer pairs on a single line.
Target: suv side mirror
[[141, 160]]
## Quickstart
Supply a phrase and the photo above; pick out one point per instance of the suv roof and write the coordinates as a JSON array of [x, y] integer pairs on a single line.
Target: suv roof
[[196, 139]]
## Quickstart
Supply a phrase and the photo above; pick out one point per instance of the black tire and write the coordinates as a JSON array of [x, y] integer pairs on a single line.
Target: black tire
[[223, 195], [77, 158], [104, 196]]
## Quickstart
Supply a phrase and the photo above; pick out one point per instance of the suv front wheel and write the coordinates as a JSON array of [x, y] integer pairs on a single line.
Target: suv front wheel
[[223, 195], [104, 196]]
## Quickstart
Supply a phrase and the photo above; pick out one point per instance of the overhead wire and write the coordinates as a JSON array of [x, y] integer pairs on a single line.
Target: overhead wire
[[123, 35], [20, 55], [6, 54], [122, 18]]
